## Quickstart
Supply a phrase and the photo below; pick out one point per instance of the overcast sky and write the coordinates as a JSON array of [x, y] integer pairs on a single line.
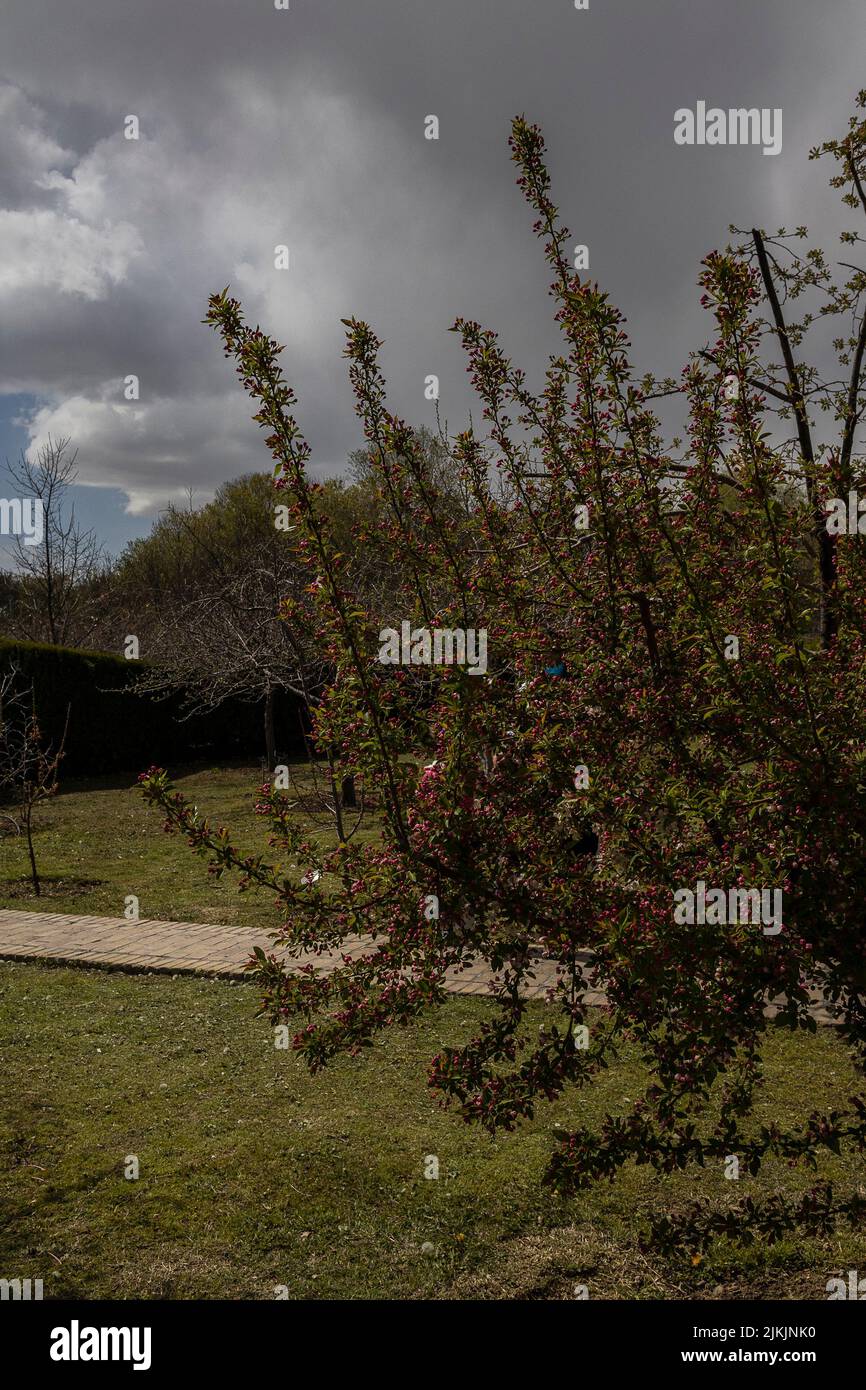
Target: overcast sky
[[305, 127]]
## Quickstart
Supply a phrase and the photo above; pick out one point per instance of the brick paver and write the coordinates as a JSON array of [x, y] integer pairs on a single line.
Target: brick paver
[[197, 948], [188, 948]]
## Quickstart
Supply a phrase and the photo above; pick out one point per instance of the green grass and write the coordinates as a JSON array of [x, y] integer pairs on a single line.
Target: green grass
[[253, 1174], [97, 842]]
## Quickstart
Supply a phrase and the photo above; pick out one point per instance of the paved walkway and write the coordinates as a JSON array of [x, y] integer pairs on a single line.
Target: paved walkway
[[193, 948]]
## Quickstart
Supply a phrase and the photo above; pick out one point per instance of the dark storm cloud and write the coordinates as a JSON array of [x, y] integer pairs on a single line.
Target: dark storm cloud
[[260, 127]]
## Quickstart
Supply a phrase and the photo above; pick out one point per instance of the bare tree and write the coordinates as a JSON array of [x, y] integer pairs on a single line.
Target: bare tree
[[29, 768], [57, 577], [206, 596]]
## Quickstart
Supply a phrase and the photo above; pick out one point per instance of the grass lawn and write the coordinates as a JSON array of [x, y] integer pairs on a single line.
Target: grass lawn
[[97, 842], [254, 1175]]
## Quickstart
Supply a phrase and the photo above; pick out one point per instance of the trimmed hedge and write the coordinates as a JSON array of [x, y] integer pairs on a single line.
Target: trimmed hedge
[[112, 729]]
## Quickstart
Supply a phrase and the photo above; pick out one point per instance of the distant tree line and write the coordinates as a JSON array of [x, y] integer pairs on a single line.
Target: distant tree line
[[216, 601]]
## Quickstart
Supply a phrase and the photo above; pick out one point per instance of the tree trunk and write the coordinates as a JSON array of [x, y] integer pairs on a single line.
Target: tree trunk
[[828, 623], [270, 741], [348, 795], [34, 873]]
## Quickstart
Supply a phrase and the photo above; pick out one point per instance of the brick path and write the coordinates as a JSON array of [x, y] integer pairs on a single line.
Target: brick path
[[193, 948], [190, 948]]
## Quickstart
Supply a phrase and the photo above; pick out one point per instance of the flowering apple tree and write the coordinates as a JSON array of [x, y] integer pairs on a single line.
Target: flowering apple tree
[[671, 722]]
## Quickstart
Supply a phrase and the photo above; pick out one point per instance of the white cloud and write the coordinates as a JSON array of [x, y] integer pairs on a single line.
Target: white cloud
[[28, 150], [113, 276], [145, 448], [46, 250]]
